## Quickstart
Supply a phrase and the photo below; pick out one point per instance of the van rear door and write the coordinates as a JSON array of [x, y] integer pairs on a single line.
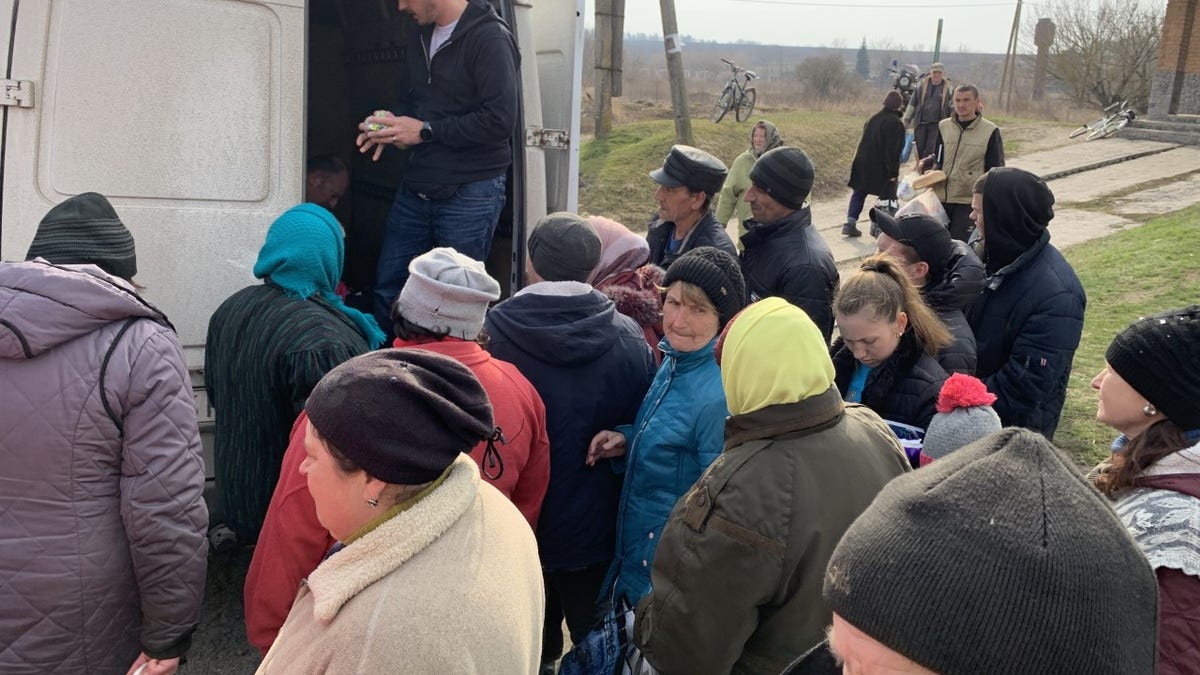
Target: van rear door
[[187, 114]]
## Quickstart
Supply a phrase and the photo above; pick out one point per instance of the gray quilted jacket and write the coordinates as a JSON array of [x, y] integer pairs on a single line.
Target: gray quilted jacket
[[102, 517]]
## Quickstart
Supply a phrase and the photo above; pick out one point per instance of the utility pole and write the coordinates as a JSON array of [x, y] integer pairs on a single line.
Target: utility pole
[[674, 49], [1010, 61], [937, 43], [604, 67]]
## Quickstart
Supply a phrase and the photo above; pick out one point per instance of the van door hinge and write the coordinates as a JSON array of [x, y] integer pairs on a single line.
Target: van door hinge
[[16, 92], [555, 139]]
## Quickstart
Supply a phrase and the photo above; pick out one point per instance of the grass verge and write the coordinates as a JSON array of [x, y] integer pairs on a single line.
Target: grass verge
[[1141, 271]]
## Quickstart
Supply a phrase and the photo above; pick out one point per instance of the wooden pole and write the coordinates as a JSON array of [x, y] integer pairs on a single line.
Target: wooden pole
[[1010, 61], [603, 46], [674, 48], [618, 47]]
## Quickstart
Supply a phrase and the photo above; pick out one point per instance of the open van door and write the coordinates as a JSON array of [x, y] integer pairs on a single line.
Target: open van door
[[187, 115]]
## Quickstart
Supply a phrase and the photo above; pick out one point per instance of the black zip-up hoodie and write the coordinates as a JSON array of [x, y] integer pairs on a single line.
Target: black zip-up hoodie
[[468, 92]]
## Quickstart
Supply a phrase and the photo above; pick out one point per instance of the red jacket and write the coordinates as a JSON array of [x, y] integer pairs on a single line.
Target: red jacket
[[292, 542]]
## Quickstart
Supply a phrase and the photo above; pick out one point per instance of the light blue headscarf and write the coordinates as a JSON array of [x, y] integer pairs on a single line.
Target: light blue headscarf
[[303, 255]]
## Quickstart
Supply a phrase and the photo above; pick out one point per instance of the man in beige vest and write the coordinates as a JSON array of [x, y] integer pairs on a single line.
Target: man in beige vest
[[968, 146]]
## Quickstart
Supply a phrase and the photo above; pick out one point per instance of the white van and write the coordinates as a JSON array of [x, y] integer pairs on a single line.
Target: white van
[[195, 118]]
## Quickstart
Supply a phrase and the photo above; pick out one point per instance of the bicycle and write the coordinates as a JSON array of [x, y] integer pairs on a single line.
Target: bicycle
[[736, 95], [1115, 117]]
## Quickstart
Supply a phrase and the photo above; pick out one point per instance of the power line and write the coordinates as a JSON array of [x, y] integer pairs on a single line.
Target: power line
[[804, 3]]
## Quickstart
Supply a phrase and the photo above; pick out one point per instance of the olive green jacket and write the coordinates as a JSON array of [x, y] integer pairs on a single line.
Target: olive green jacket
[[738, 572]]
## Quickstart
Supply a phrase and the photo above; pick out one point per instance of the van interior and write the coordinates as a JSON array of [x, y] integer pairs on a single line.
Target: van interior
[[355, 54]]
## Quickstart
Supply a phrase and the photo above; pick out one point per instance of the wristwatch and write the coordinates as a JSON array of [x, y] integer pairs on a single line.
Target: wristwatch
[[426, 132]]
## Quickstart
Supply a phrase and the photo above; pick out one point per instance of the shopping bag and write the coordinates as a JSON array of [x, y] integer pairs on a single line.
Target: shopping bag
[[911, 438], [908, 146], [925, 204], [904, 189], [608, 649]]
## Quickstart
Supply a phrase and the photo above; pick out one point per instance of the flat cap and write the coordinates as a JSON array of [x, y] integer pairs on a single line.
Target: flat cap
[[692, 168]]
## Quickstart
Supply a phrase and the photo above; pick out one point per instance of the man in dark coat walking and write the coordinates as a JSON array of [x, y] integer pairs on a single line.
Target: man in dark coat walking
[[1029, 318], [876, 167]]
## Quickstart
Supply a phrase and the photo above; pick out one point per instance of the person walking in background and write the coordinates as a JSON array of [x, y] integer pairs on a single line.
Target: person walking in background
[[1036, 573], [1029, 317], [267, 347], [679, 427], [434, 570], [455, 121], [967, 147], [441, 305], [964, 415], [876, 166], [102, 513], [931, 103], [626, 276], [1150, 393], [591, 366], [687, 181], [783, 254], [737, 574], [946, 271], [885, 357], [763, 137]]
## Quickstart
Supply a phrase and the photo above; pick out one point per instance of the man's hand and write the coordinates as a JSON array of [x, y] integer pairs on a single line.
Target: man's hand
[[923, 165], [380, 131], [149, 666]]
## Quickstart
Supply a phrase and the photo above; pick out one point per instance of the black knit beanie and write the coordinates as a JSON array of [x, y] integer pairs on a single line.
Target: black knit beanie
[[402, 415], [998, 559], [85, 230], [786, 174], [1159, 356], [717, 273]]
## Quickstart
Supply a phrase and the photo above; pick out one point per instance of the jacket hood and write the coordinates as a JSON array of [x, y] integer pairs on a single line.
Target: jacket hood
[[636, 294], [43, 305], [960, 282], [562, 330], [774, 140], [1017, 209]]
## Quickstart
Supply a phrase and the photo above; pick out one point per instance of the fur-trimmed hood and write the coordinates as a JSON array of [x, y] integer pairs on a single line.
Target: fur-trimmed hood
[[636, 294]]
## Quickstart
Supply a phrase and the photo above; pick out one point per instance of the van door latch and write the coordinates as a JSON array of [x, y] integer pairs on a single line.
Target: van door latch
[[555, 139], [16, 92]]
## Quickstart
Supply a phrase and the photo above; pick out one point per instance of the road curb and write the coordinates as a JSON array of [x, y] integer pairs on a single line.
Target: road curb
[[1063, 173]]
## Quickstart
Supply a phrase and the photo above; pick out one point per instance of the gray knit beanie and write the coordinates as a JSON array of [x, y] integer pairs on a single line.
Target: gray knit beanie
[[786, 174], [564, 247], [998, 559], [447, 292], [85, 230], [964, 415]]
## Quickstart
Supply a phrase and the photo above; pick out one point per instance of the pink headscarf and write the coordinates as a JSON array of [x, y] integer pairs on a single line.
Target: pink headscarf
[[621, 250]]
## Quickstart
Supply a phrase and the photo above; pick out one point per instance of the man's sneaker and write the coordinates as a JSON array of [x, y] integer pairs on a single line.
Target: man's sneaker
[[850, 229]]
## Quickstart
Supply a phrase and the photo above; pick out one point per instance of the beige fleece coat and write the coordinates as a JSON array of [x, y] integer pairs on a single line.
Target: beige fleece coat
[[451, 585]]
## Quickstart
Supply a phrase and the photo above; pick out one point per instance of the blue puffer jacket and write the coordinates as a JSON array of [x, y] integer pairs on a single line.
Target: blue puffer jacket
[[679, 431]]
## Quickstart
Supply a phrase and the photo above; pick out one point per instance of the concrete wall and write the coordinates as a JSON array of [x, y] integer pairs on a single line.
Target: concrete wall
[[1176, 85]]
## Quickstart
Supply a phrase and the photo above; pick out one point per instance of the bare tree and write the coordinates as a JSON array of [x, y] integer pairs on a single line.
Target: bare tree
[[826, 77], [1105, 51]]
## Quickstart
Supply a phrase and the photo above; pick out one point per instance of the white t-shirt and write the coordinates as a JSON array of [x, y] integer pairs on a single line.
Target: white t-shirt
[[440, 35]]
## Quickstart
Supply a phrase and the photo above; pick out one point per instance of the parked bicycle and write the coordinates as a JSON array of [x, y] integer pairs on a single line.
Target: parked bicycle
[[1116, 117], [737, 94]]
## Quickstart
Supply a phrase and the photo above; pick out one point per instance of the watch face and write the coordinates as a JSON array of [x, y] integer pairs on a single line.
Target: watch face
[[426, 133]]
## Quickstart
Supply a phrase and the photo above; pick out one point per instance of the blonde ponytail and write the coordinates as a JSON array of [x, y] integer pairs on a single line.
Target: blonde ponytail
[[881, 284]]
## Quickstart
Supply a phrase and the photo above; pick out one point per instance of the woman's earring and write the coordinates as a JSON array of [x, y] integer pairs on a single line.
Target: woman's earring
[[373, 502], [1148, 410]]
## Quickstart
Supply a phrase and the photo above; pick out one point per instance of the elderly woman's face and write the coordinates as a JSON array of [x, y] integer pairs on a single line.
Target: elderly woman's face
[[688, 326], [339, 496], [1120, 405]]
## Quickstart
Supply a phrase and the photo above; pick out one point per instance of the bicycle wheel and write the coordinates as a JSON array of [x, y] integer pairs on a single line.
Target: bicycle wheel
[[724, 103], [1115, 125], [746, 104], [1084, 128], [1099, 132]]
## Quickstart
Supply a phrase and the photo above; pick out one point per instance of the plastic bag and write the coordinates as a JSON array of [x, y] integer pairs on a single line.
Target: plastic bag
[[904, 189], [908, 146], [926, 204]]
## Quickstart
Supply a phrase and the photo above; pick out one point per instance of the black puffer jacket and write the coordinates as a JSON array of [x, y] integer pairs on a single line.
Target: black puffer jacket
[[959, 284], [708, 232], [902, 389], [789, 259], [1028, 320]]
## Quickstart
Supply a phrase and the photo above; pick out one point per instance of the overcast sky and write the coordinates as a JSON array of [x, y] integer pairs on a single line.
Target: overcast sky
[[974, 25]]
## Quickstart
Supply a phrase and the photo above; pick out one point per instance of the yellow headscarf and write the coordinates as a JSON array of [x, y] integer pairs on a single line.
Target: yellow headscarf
[[772, 353]]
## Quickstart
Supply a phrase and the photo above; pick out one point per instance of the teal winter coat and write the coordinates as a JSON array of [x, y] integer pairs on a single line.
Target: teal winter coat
[[678, 432]]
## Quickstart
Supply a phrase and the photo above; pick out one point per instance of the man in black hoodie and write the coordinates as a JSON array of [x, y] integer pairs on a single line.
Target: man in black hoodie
[[455, 121], [1029, 317], [591, 366]]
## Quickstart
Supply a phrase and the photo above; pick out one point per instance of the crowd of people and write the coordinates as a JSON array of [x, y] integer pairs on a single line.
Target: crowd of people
[[658, 440]]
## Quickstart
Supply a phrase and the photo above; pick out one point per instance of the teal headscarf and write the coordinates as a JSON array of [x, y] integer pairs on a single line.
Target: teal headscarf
[[303, 255]]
